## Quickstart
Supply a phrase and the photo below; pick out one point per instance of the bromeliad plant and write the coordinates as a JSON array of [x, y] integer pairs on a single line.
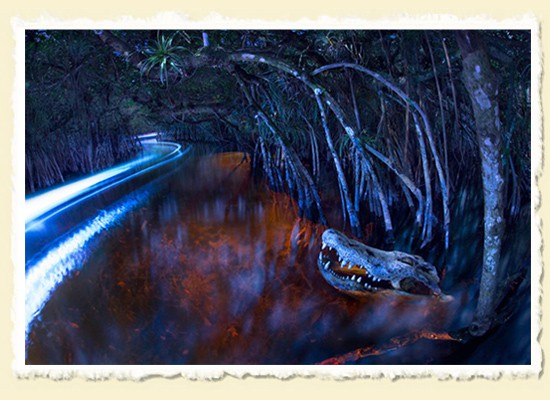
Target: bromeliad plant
[[163, 54]]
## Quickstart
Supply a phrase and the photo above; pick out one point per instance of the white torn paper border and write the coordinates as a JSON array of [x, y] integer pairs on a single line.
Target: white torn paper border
[[212, 372]]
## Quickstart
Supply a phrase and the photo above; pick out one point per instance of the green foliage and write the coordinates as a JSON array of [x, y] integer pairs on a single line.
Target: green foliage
[[163, 55]]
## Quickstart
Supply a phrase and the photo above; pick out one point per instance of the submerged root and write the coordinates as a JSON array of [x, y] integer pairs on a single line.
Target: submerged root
[[392, 344]]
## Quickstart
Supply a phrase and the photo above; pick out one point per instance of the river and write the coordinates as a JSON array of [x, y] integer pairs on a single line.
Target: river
[[208, 266]]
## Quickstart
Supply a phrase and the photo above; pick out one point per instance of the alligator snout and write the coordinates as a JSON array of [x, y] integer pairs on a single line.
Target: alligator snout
[[355, 268]]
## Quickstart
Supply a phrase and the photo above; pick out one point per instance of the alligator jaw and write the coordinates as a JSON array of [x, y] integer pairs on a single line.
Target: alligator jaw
[[358, 269], [345, 275]]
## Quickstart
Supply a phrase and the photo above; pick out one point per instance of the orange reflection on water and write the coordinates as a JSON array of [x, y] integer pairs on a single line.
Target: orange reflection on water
[[216, 269]]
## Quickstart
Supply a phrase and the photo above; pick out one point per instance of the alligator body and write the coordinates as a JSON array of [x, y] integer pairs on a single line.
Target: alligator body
[[357, 269]]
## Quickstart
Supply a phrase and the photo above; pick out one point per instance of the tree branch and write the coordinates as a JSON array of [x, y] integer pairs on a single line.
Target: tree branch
[[120, 46], [393, 344]]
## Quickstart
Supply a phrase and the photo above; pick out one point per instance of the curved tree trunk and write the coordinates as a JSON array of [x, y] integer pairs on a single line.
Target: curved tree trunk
[[481, 83], [228, 60], [427, 132], [346, 197], [293, 161]]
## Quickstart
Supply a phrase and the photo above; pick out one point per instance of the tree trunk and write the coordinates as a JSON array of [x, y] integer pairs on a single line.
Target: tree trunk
[[346, 198], [481, 83]]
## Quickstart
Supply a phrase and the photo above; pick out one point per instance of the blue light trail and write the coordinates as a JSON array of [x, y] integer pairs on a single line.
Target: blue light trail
[[39, 205], [48, 268], [43, 206], [69, 253]]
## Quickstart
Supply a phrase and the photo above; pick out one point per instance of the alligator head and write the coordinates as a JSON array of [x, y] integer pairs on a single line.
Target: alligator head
[[357, 269]]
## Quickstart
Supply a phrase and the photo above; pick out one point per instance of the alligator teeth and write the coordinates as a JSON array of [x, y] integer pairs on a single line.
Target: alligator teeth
[[350, 265], [359, 280], [323, 246], [366, 285], [327, 264], [353, 278]]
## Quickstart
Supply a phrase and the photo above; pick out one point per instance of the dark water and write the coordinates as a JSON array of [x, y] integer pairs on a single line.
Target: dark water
[[216, 269]]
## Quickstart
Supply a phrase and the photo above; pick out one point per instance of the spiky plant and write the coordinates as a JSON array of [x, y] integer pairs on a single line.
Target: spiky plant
[[163, 54]]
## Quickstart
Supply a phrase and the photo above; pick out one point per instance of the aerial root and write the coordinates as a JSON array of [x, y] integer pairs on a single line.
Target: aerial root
[[393, 344]]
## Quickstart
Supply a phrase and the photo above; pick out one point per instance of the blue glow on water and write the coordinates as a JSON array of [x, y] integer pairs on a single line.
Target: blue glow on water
[[68, 254], [41, 204], [41, 207], [148, 136]]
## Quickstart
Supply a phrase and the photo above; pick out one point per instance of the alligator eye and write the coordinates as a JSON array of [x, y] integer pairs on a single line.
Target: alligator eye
[[408, 260]]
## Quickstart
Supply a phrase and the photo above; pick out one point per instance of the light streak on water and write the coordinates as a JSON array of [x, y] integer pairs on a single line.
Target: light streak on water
[[48, 269], [40, 204], [148, 136], [41, 207], [69, 253]]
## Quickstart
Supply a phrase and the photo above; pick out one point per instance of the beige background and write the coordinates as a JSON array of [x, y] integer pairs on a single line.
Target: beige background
[[248, 388]]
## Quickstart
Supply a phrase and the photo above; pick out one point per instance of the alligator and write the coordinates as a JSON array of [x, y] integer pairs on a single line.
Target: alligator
[[359, 270]]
